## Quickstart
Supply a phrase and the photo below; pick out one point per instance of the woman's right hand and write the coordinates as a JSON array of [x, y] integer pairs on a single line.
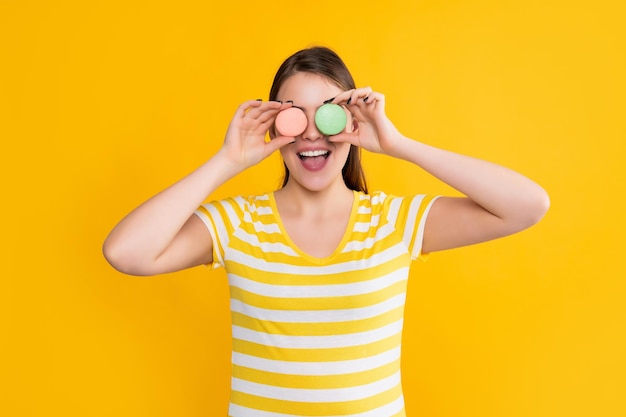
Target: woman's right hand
[[245, 144]]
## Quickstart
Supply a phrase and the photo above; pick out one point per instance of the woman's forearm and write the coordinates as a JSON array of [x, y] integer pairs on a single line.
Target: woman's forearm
[[503, 192], [148, 230]]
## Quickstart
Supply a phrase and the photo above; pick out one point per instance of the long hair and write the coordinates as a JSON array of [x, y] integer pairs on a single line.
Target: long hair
[[324, 62]]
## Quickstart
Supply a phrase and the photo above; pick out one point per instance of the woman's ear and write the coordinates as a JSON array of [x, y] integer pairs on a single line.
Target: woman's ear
[[354, 125]]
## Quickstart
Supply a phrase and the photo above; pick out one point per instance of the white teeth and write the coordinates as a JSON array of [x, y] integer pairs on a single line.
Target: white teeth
[[318, 152]]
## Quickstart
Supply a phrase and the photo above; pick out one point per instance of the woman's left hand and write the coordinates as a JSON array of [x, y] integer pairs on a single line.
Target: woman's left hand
[[370, 129]]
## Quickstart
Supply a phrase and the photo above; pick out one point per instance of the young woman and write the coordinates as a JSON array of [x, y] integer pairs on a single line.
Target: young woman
[[318, 269]]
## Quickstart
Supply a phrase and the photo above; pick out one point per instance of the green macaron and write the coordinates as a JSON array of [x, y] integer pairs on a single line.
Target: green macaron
[[330, 119]]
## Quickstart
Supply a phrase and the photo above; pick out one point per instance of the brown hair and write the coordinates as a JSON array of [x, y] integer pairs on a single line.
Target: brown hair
[[324, 62]]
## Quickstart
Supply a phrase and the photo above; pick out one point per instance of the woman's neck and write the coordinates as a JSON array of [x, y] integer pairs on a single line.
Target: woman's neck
[[294, 199]]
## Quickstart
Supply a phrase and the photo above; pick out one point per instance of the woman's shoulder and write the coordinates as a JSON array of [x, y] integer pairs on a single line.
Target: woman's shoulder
[[380, 201], [245, 200], [238, 205], [374, 198]]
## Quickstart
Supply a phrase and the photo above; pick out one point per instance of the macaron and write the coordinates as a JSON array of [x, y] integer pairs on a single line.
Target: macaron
[[330, 119], [291, 122]]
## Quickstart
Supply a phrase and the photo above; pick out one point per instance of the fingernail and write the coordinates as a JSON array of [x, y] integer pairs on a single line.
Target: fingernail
[[365, 99], [259, 99], [289, 101], [278, 101], [329, 100], [349, 100]]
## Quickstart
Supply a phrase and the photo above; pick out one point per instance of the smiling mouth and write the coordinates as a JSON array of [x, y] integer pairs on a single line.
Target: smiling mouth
[[313, 154]]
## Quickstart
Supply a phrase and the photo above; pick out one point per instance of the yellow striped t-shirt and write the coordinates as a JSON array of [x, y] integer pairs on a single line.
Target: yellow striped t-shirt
[[312, 336]]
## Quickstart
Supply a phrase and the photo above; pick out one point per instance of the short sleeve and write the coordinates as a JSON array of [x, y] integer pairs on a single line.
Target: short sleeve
[[412, 215], [217, 217]]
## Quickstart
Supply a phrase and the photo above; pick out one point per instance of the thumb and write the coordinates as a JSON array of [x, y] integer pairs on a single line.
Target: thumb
[[278, 142], [348, 137]]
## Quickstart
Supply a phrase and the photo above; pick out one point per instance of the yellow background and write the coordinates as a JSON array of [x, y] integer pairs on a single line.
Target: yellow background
[[103, 104]]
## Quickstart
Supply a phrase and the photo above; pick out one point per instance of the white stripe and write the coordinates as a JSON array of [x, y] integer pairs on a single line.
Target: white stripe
[[419, 239], [358, 245], [411, 219], [318, 291], [386, 410], [381, 233], [214, 238], [261, 210], [265, 228], [283, 268], [363, 227], [248, 208], [317, 342], [264, 211], [316, 395], [394, 209], [318, 316], [267, 247], [219, 235], [230, 212], [378, 198], [317, 368], [364, 210]]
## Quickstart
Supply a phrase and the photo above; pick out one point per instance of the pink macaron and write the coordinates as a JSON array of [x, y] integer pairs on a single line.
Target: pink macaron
[[291, 122]]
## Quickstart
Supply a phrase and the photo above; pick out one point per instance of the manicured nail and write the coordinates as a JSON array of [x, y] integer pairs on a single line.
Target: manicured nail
[[329, 100], [349, 100], [365, 99]]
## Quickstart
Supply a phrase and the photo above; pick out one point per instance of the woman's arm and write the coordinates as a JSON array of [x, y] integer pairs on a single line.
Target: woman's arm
[[498, 201], [162, 234]]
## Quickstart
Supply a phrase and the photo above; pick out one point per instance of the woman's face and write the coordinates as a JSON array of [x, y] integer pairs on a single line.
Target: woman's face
[[313, 162]]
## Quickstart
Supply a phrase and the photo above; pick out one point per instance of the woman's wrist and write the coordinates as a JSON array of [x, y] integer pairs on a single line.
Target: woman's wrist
[[222, 167], [399, 146]]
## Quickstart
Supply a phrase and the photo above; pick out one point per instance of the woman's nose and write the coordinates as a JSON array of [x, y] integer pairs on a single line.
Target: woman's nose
[[311, 132]]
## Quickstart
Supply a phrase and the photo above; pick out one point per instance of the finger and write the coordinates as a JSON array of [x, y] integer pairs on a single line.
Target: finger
[[374, 97], [360, 94], [365, 108], [349, 96], [244, 107], [354, 96], [277, 143], [269, 115], [341, 97], [267, 119], [267, 125], [346, 137], [255, 111]]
